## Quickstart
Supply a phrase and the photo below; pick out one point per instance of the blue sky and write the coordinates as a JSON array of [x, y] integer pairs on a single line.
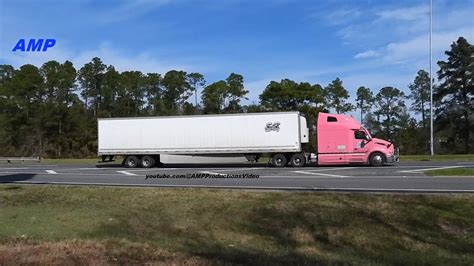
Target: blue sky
[[369, 43]]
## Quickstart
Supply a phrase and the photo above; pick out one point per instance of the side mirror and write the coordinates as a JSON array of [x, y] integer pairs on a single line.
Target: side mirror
[[362, 144]]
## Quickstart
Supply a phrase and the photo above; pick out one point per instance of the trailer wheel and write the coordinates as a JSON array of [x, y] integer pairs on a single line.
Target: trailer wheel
[[297, 160], [147, 162], [377, 159], [131, 161], [279, 160]]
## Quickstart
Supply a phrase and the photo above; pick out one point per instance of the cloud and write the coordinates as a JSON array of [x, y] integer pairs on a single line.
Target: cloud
[[130, 9], [342, 16], [406, 13], [419, 46], [367, 54]]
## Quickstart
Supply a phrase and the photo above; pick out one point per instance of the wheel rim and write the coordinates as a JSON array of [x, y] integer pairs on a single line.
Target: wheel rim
[[132, 162], [146, 163], [297, 161], [279, 161], [377, 159]]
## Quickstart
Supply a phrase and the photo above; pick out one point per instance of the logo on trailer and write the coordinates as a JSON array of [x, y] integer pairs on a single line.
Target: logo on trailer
[[275, 126]]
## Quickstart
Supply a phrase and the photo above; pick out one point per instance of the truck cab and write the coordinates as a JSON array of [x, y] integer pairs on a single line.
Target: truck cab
[[343, 140]]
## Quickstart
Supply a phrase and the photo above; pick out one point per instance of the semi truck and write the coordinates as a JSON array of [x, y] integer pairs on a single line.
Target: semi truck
[[283, 136]]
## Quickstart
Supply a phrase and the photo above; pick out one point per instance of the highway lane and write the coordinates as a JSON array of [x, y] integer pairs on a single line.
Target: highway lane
[[403, 177]]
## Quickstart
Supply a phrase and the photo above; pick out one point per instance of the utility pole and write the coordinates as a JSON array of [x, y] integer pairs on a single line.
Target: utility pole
[[431, 81]]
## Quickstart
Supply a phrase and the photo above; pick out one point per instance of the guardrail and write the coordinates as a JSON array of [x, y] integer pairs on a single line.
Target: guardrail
[[20, 159]]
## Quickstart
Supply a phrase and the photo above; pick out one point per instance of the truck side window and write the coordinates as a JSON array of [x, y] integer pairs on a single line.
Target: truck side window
[[359, 135], [331, 119]]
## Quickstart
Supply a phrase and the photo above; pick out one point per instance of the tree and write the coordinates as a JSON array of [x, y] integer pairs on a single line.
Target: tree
[[235, 92], [224, 96], [336, 96], [176, 90], [287, 95], [196, 80], [420, 95], [364, 100], [90, 78], [213, 97], [390, 109], [132, 84], [456, 92], [154, 93]]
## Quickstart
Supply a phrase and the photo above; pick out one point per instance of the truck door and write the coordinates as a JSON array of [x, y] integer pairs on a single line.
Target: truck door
[[360, 147]]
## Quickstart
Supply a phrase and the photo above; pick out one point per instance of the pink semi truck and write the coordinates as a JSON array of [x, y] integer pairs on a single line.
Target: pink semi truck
[[343, 140], [283, 136]]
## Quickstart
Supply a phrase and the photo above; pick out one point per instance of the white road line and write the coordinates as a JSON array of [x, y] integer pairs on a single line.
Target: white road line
[[427, 169], [321, 174], [244, 169], [126, 173], [52, 172], [211, 173], [157, 169], [329, 169]]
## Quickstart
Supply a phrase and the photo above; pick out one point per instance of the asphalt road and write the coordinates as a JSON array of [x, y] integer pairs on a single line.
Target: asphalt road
[[403, 177]]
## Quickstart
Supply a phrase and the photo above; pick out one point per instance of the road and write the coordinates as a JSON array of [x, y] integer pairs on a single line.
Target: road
[[403, 177]]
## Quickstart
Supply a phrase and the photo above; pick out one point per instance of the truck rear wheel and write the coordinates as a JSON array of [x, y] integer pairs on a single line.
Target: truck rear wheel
[[131, 161], [147, 162], [297, 160], [377, 159], [279, 160]]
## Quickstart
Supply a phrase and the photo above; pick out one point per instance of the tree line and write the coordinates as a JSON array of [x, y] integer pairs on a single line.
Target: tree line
[[52, 111]]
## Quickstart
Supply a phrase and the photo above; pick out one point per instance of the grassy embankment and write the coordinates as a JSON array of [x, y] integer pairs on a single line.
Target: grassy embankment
[[450, 157], [451, 172], [77, 225]]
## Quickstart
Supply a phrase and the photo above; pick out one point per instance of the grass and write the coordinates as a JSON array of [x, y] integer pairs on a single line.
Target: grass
[[449, 157], [451, 172], [80, 225]]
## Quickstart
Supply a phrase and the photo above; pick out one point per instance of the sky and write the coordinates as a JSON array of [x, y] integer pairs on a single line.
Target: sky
[[365, 43]]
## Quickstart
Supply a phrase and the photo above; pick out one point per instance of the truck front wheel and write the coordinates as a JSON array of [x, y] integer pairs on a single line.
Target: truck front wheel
[[297, 160], [131, 161], [377, 159], [279, 160]]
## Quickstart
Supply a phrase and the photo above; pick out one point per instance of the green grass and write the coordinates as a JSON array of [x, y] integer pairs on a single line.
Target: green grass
[[451, 157], [61, 224], [451, 172]]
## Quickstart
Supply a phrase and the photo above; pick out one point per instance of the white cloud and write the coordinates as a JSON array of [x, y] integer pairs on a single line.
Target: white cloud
[[367, 54], [342, 16], [406, 13], [131, 9], [419, 46]]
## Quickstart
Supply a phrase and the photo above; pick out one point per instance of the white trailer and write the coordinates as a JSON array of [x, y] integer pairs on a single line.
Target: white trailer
[[142, 140]]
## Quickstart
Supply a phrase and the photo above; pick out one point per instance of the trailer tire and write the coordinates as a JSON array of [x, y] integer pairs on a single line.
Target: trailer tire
[[297, 160], [131, 161], [279, 160], [147, 161], [377, 159]]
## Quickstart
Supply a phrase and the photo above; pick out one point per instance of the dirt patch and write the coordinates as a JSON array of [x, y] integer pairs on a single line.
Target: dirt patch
[[77, 252]]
